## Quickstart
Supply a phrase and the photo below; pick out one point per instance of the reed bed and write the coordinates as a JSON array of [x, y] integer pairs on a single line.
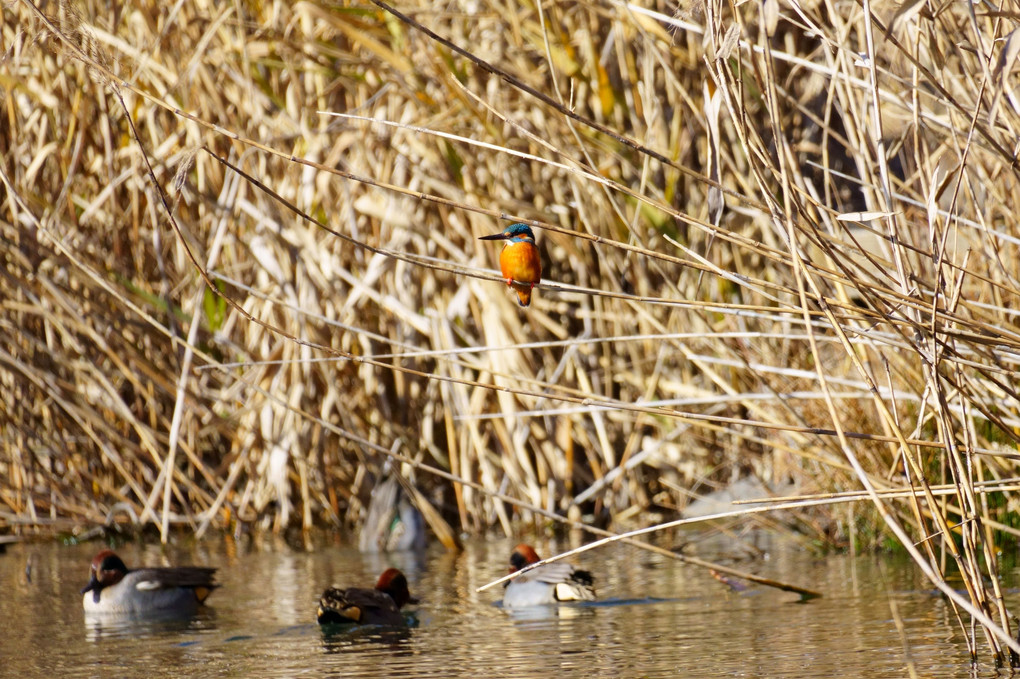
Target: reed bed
[[241, 268]]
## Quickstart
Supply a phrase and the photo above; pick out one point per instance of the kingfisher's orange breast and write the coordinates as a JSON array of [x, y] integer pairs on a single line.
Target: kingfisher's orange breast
[[521, 262]]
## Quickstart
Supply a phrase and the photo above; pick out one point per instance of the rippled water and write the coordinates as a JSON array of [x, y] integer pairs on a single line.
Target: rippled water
[[656, 618]]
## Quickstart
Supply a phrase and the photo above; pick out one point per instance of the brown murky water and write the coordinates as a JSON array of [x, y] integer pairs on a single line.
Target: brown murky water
[[656, 618]]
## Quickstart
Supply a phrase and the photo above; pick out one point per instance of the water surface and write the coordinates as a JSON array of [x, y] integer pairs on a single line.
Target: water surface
[[656, 618]]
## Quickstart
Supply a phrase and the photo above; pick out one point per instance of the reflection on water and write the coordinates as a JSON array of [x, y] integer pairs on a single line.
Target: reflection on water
[[100, 626], [539, 614], [656, 618], [574, 609], [337, 639]]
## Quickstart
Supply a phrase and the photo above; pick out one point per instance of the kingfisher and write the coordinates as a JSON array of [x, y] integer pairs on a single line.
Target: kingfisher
[[519, 260]]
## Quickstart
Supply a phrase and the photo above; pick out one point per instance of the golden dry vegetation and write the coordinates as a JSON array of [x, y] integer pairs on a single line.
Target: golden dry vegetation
[[239, 242]]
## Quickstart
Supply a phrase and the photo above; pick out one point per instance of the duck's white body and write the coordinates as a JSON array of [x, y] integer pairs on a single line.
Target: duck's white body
[[113, 589], [552, 583]]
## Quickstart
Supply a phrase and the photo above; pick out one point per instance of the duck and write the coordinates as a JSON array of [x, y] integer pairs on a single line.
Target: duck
[[114, 588], [360, 606], [393, 524], [551, 583]]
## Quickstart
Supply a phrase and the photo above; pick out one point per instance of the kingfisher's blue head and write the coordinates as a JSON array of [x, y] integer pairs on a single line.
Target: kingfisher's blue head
[[515, 233]]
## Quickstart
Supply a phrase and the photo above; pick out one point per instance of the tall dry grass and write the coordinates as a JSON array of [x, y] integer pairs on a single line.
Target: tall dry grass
[[241, 266]]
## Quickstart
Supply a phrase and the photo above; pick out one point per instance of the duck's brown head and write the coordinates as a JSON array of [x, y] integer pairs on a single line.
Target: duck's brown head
[[523, 555], [107, 569], [393, 582]]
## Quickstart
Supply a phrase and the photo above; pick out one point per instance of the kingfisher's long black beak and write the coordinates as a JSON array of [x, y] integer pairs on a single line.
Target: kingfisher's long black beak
[[495, 236]]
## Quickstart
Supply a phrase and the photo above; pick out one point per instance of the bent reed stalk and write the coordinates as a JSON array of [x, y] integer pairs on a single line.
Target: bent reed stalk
[[241, 268]]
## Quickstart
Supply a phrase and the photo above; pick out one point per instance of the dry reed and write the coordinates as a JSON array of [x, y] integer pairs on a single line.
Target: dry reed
[[241, 266]]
